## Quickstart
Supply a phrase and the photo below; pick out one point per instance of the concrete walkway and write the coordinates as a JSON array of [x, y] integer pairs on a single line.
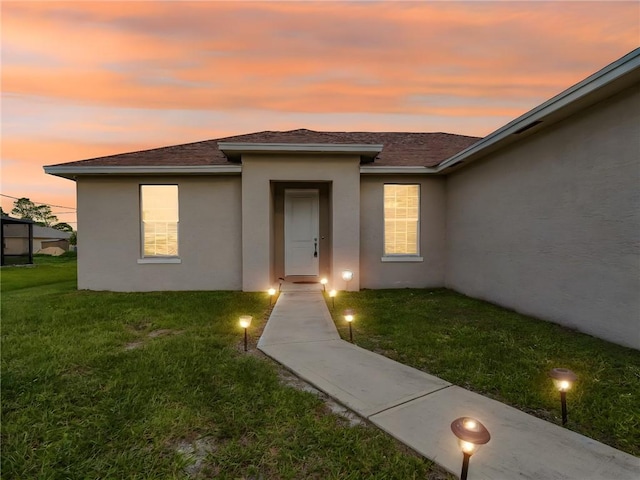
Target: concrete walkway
[[417, 408]]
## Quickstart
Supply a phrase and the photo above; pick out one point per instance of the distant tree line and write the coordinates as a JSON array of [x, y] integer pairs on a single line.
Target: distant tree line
[[40, 214]]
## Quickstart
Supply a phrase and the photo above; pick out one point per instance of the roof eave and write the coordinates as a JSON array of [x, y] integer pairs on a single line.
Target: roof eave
[[73, 171], [12, 220], [397, 170], [536, 118]]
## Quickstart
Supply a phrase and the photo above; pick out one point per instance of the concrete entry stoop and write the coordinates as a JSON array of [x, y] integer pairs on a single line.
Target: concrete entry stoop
[[417, 408]]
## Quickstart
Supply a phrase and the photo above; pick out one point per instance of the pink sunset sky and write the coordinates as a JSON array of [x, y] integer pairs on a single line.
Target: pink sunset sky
[[86, 79]]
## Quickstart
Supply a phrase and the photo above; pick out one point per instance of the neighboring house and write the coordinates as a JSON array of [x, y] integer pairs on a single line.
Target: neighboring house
[[44, 237], [17, 240], [541, 216], [15, 237]]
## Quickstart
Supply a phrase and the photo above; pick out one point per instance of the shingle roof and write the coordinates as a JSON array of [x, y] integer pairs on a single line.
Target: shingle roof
[[399, 149]]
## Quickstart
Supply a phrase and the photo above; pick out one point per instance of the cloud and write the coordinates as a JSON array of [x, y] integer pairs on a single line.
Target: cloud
[[302, 57]]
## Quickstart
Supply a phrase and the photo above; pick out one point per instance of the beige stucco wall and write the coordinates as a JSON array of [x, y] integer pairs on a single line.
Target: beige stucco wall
[[208, 235], [430, 271], [258, 173], [550, 226]]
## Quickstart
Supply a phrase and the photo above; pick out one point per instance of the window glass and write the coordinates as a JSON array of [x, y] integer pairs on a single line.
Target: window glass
[[159, 205], [401, 219]]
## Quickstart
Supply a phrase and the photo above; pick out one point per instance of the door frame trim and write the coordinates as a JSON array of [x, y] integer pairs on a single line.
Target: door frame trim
[[325, 189], [303, 192]]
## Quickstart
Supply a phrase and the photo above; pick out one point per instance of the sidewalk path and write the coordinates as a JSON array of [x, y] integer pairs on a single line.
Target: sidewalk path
[[417, 408]]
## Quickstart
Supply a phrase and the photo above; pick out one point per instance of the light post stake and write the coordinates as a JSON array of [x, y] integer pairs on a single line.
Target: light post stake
[[349, 316], [465, 465], [271, 292], [563, 378], [245, 321], [332, 294]]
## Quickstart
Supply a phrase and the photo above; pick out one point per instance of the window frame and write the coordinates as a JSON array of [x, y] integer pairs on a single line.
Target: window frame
[[401, 257], [158, 258]]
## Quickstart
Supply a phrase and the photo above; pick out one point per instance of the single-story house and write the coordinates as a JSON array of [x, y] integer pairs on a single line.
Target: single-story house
[[541, 216], [16, 237], [44, 237]]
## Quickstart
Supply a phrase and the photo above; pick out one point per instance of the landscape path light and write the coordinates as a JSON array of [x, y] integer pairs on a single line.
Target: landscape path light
[[333, 294], [271, 292], [347, 276], [563, 378], [324, 281], [245, 321], [349, 315], [471, 435]]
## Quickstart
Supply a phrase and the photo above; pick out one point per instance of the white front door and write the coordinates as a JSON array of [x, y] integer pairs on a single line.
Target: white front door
[[301, 226]]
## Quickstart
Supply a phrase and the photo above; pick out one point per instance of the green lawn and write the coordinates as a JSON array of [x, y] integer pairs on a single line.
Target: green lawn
[[156, 386], [504, 355]]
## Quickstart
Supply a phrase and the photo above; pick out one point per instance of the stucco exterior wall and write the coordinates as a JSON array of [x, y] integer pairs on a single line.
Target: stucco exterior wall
[[209, 235], [550, 226], [430, 271], [258, 173]]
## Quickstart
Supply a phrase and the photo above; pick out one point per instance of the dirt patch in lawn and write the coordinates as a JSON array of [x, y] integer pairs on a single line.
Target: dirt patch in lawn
[[77, 371], [153, 334], [133, 345], [194, 452], [162, 333], [291, 380]]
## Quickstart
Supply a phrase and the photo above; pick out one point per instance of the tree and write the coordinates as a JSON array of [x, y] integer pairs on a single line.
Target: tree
[[44, 216], [65, 227], [23, 208], [73, 239], [41, 214]]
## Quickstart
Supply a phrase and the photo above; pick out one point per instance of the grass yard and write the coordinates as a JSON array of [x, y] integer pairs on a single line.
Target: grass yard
[[504, 355], [156, 386]]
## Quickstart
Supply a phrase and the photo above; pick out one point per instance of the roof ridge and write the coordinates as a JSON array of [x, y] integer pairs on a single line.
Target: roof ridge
[[344, 132]]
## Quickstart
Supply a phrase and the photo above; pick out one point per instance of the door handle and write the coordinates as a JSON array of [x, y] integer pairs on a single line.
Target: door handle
[[315, 248]]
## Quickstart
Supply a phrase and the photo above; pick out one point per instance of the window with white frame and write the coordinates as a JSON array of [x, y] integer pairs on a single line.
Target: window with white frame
[[159, 210], [401, 219]]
